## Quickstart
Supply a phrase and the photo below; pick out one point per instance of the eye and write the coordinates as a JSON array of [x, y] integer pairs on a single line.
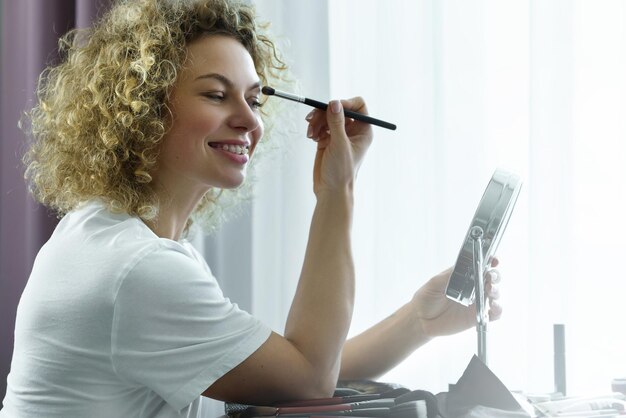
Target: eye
[[255, 103], [217, 96]]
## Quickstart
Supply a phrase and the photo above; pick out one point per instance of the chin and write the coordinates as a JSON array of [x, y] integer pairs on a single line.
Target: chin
[[232, 182]]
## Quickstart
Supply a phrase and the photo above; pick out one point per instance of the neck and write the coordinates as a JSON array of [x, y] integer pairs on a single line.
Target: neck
[[174, 212], [169, 224]]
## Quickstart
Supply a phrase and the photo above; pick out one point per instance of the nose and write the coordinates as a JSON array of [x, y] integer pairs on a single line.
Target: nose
[[243, 117]]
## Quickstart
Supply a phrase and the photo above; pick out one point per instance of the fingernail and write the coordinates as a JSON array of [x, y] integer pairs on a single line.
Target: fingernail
[[310, 115], [335, 106], [309, 131]]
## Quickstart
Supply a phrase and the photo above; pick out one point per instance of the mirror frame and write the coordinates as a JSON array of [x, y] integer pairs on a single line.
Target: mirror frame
[[492, 215]]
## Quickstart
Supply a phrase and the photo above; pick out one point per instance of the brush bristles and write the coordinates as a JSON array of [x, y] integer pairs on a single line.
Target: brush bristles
[[412, 409], [268, 91]]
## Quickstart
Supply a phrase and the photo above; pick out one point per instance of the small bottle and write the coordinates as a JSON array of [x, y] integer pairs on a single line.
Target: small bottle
[[619, 385]]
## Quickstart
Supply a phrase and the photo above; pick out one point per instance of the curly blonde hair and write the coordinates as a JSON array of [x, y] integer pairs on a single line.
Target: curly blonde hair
[[101, 113]]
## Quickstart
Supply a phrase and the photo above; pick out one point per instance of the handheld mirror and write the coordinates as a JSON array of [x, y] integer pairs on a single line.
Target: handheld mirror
[[481, 242], [492, 216]]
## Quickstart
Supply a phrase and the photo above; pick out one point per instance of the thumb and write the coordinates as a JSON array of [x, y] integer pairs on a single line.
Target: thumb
[[335, 119]]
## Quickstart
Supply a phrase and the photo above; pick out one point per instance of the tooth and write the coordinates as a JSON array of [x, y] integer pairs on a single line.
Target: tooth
[[235, 149]]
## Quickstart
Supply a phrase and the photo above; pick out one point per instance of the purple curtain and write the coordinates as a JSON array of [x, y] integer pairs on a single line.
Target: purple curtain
[[30, 31]]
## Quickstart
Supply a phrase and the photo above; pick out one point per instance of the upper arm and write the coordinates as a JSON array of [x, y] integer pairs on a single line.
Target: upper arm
[[175, 333], [276, 371]]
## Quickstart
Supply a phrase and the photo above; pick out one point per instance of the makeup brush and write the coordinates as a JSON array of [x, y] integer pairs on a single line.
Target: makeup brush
[[269, 91], [391, 394], [430, 401], [377, 408], [375, 404], [413, 409]]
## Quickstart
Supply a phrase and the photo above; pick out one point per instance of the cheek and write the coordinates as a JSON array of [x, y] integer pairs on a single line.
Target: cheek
[[187, 136], [193, 126], [201, 123], [255, 136]]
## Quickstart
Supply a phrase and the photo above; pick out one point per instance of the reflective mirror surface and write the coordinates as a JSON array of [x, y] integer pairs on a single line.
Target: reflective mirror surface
[[492, 215]]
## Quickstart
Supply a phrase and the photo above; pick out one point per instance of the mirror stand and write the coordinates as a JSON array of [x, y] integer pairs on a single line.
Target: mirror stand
[[476, 233]]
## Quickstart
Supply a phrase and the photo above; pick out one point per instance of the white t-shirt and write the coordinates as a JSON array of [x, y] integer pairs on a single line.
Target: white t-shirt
[[117, 322]]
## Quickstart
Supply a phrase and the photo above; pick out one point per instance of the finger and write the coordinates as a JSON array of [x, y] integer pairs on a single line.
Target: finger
[[493, 276], [316, 116], [323, 136], [494, 261], [495, 311], [317, 123], [310, 115], [353, 126], [316, 132], [318, 120], [493, 292], [336, 119], [309, 132], [356, 104], [322, 143]]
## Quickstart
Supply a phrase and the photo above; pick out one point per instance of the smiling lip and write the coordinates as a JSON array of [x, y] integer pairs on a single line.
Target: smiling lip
[[239, 142], [241, 159]]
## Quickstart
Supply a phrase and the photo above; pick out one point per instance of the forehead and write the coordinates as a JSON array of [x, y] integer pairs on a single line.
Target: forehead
[[219, 54]]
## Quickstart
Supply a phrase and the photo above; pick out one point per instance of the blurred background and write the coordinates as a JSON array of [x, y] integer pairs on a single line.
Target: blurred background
[[533, 87]]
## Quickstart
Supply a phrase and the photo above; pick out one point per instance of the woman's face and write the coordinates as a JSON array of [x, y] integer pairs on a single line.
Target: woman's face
[[216, 122]]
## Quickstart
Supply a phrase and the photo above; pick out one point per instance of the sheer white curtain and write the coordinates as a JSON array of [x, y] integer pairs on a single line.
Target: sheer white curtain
[[535, 87]]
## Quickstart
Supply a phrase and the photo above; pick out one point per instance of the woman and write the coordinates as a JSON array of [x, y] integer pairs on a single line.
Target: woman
[[151, 113]]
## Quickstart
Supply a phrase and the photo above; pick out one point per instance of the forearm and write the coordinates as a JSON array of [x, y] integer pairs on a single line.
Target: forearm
[[321, 312], [383, 346]]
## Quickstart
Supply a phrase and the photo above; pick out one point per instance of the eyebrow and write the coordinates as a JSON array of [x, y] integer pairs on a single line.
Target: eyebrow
[[226, 81]]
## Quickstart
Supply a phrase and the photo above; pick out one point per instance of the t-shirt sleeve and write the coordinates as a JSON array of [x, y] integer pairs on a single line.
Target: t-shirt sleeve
[[174, 332]]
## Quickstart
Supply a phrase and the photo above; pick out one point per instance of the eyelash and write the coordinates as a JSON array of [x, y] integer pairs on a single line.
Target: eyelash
[[255, 104]]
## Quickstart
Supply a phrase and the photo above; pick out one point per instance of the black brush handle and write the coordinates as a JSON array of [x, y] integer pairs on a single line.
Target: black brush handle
[[353, 115]]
